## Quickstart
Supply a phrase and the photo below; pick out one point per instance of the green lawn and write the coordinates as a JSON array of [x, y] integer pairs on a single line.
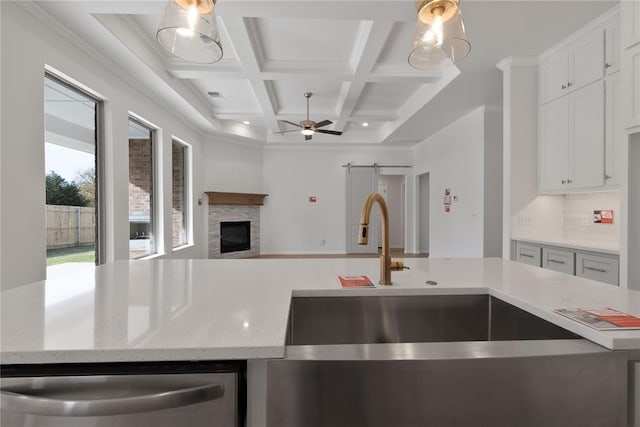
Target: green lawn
[[77, 254]]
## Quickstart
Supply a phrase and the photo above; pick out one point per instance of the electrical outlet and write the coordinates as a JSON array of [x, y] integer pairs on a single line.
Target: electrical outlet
[[323, 242], [525, 220]]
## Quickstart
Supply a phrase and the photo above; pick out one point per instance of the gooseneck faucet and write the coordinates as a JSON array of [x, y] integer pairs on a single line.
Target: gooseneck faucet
[[386, 264]]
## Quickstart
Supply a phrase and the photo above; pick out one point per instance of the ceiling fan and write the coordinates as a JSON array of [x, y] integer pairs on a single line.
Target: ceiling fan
[[309, 127]]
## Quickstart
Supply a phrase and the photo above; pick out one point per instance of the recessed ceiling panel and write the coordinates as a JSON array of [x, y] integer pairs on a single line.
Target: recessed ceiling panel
[[384, 97], [235, 95], [291, 100], [300, 40], [398, 45]]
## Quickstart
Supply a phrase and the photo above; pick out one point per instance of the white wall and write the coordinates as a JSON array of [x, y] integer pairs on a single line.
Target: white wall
[[231, 166], [453, 158], [290, 224], [27, 45]]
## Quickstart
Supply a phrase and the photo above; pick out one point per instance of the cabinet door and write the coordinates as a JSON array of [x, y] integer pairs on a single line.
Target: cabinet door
[[596, 267], [554, 145], [613, 131], [630, 23], [554, 75], [631, 86], [586, 60], [528, 254], [612, 46], [558, 260], [586, 158]]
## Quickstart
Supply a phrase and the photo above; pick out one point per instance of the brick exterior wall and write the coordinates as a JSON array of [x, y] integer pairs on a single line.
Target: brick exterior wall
[[140, 177], [179, 233], [221, 213]]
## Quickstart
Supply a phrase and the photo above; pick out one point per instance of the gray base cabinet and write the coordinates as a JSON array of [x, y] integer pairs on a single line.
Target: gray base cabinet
[[594, 265]]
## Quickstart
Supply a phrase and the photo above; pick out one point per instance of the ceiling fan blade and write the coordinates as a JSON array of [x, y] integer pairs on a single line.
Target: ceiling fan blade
[[330, 132], [291, 123], [323, 123], [286, 131], [307, 137]]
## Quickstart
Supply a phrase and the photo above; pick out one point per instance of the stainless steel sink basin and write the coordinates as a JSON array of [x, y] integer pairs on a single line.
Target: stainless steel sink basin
[[402, 319], [438, 360]]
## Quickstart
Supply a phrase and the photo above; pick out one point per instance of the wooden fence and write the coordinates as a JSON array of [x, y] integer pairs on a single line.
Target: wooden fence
[[70, 226]]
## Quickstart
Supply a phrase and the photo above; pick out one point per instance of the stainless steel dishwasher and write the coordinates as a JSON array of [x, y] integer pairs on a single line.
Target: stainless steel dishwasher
[[107, 395]]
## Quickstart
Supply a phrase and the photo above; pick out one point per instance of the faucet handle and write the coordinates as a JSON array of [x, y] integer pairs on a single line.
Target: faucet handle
[[398, 265]]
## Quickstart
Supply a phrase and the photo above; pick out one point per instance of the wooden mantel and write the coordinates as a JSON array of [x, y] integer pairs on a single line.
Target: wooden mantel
[[245, 199]]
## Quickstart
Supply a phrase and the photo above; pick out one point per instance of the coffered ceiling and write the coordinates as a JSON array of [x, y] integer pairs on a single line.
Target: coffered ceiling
[[351, 54]]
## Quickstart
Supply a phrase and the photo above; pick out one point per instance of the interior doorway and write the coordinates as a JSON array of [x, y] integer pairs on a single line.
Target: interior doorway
[[633, 232], [423, 213]]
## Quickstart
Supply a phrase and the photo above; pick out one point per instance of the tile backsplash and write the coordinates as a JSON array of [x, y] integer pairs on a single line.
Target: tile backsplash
[[578, 217]]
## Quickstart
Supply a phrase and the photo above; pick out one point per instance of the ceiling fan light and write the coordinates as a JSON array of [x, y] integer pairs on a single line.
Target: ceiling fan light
[[440, 36], [308, 132], [188, 30]]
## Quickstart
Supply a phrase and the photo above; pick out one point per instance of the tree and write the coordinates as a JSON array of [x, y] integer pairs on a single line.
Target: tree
[[61, 192], [86, 182]]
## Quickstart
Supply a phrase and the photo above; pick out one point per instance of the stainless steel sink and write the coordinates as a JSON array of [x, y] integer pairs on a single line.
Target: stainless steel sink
[[438, 360], [402, 319]]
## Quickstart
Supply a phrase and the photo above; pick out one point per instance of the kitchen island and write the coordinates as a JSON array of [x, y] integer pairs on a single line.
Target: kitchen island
[[238, 309], [202, 310]]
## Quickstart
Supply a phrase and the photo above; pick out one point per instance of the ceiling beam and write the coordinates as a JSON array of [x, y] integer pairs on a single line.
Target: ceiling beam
[[371, 39], [247, 47]]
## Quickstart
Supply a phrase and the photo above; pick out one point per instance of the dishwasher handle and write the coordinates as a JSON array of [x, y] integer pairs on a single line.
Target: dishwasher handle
[[37, 405]]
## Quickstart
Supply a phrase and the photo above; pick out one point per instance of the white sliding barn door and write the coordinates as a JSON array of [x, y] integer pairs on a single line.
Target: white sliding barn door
[[360, 183]]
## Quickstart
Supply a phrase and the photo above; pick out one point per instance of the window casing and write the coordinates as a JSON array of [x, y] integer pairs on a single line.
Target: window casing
[[143, 238], [180, 193]]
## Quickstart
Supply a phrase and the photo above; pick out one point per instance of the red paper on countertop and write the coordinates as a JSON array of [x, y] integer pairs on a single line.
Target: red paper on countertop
[[602, 318], [355, 281]]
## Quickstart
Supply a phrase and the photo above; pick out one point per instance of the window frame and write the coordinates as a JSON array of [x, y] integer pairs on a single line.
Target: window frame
[[155, 217], [187, 188], [101, 245]]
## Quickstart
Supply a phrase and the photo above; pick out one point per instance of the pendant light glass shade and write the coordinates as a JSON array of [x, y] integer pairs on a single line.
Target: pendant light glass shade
[[440, 35], [189, 31]]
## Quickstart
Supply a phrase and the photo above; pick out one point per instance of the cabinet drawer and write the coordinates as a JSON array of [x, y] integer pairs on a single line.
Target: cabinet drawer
[[528, 254], [597, 267], [558, 260]]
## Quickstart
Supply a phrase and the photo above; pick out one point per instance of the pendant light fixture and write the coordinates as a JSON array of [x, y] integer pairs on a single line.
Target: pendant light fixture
[[189, 31], [440, 34]]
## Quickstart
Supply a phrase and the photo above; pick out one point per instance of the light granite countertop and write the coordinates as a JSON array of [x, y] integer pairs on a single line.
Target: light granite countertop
[[237, 309]]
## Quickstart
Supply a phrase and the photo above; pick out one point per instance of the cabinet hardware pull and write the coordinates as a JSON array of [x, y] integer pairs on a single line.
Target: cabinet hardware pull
[[569, 181], [556, 261], [563, 87], [527, 255], [37, 405], [607, 65], [564, 182], [599, 270], [607, 176], [569, 84]]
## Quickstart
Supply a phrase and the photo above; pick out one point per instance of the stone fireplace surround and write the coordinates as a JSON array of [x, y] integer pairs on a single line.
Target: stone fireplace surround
[[234, 207]]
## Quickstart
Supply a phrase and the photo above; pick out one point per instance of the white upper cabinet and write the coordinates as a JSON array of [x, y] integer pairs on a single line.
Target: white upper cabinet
[[573, 67], [579, 112], [613, 131], [572, 141], [630, 23], [631, 63], [554, 145], [612, 46], [586, 137]]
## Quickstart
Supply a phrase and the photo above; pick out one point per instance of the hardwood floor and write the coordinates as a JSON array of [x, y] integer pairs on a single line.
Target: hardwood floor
[[395, 252]]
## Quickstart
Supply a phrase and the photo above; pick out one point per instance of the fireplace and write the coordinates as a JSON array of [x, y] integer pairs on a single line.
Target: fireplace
[[235, 236]]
